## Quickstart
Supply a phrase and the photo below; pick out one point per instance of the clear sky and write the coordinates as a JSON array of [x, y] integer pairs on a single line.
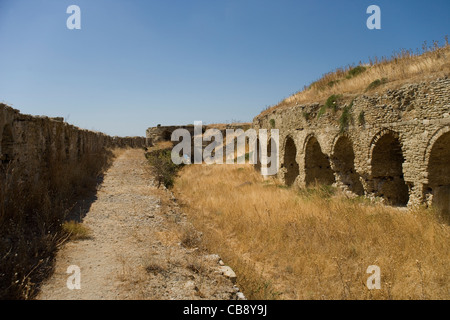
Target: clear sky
[[137, 63]]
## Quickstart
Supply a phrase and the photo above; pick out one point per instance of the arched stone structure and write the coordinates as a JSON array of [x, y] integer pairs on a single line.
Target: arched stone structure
[[343, 164], [387, 168], [398, 139], [439, 171], [290, 161], [317, 164]]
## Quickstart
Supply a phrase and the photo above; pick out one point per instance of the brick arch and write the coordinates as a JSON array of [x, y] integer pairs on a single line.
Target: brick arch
[[386, 164], [257, 165], [436, 135], [317, 163], [337, 137], [310, 136], [437, 158], [292, 169], [271, 140], [343, 163], [379, 135]]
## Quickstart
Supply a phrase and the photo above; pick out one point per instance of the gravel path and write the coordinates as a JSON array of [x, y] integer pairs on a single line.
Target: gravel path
[[141, 245]]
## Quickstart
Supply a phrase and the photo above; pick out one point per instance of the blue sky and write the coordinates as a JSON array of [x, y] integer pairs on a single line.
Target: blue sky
[[137, 63]]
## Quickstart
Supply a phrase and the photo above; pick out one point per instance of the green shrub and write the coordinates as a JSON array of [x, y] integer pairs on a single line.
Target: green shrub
[[163, 167], [332, 83], [332, 102], [376, 83], [306, 115], [322, 111], [272, 123], [355, 71]]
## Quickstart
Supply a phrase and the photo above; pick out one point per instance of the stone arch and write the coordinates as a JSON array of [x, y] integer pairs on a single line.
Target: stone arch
[[317, 164], [438, 168], [290, 161], [257, 165], [7, 144], [272, 158], [387, 168], [343, 160], [439, 133]]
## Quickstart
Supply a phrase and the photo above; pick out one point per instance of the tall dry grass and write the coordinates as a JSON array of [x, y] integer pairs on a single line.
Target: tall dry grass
[[403, 66], [313, 244], [32, 213]]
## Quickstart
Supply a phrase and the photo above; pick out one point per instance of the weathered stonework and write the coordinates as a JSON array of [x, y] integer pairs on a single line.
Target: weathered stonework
[[31, 141], [164, 133], [396, 146]]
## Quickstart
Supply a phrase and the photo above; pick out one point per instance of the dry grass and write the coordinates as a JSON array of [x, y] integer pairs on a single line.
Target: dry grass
[[312, 244], [401, 67], [32, 214], [76, 230]]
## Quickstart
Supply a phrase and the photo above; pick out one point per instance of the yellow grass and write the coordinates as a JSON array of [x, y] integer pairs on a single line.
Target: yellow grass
[[290, 244], [76, 230], [399, 69]]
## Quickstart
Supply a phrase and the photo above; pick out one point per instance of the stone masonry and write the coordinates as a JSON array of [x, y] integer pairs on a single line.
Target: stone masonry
[[29, 141], [394, 145]]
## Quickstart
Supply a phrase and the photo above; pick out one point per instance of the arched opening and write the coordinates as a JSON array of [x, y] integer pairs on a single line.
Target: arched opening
[[290, 162], [439, 174], [344, 165], [7, 145], [257, 165], [269, 147], [317, 165], [387, 171]]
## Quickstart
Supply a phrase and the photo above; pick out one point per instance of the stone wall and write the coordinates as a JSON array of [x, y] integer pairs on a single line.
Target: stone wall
[[164, 133], [30, 141], [394, 144]]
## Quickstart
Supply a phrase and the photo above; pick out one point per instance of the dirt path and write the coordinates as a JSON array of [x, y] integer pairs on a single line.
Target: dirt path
[[141, 245]]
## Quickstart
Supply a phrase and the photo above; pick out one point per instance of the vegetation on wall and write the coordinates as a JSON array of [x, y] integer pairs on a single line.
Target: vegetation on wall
[[346, 117], [376, 83], [430, 60]]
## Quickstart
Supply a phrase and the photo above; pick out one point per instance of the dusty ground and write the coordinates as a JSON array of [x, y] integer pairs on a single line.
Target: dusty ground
[[141, 245]]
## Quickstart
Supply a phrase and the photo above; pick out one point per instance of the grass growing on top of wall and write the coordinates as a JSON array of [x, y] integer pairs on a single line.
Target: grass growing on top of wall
[[405, 65], [32, 214], [316, 243]]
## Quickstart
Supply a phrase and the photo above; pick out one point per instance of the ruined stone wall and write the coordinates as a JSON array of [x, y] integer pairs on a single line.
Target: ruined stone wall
[[396, 145], [164, 133], [31, 141]]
